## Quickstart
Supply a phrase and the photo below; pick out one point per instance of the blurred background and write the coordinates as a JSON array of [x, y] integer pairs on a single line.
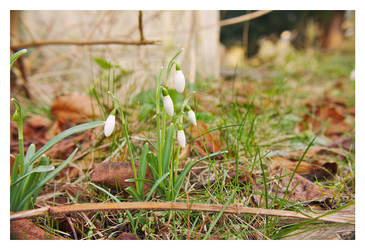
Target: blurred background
[[216, 45]]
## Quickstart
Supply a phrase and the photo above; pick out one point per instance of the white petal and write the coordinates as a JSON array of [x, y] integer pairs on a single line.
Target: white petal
[[352, 75], [192, 118], [168, 105], [109, 125], [181, 138], [179, 81]]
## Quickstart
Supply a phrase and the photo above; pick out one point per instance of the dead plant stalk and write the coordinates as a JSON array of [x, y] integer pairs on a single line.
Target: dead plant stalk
[[233, 209]]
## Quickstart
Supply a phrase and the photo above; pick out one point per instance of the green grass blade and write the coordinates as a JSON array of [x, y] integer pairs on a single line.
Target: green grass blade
[[46, 179], [34, 170], [186, 170], [30, 152], [142, 168], [218, 217], [63, 135], [297, 166], [16, 55], [133, 192], [290, 228], [156, 185], [167, 150], [151, 158], [14, 172], [106, 192], [138, 179]]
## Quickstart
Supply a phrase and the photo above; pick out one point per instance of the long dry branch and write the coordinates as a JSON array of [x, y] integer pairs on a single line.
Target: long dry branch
[[80, 43], [244, 18], [233, 209]]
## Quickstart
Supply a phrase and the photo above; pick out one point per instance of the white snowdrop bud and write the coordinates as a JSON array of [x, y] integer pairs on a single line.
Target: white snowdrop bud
[[192, 118], [168, 105], [181, 138], [352, 75], [179, 80], [109, 125]]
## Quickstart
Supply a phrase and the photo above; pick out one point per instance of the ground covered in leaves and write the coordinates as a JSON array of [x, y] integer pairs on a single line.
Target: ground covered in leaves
[[265, 115]]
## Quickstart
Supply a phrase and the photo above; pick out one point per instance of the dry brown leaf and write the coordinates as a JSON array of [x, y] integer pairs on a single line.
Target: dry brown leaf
[[34, 131], [300, 188], [26, 230], [205, 141], [74, 109], [347, 143], [314, 170], [126, 236], [326, 111], [38, 121], [113, 174], [185, 152]]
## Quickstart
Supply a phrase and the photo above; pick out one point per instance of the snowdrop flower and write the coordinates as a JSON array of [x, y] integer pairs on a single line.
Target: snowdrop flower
[[179, 80], [168, 105], [352, 75], [109, 124], [192, 118], [181, 138]]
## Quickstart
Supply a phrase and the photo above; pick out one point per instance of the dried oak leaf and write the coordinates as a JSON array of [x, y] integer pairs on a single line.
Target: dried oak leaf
[[114, 174], [300, 188], [74, 108], [326, 111], [205, 141], [313, 170], [26, 230]]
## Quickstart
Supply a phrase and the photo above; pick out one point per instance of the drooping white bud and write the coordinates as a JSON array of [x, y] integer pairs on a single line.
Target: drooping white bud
[[352, 75], [181, 138], [192, 118], [179, 80], [109, 125], [168, 105]]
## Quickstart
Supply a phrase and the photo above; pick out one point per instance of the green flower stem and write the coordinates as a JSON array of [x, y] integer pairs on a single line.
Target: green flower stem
[[158, 121], [171, 63], [177, 161], [18, 117], [163, 127], [126, 135], [170, 194], [125, 130]]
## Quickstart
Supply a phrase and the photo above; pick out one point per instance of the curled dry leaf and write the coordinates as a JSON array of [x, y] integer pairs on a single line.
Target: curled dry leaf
[[204, 141], [114, 174], [318, 163], [26, 230], [300, 188], [74, 109], [311, 171], [326, 111]]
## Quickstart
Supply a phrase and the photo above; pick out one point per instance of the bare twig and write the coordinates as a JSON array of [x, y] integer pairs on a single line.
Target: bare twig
[[244, 18], [80, 43], [140, 25], [233, 209]]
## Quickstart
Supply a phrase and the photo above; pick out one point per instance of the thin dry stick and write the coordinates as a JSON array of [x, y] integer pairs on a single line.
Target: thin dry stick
[[244, 18], [80, 43], [140, 25], [233, 209]]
